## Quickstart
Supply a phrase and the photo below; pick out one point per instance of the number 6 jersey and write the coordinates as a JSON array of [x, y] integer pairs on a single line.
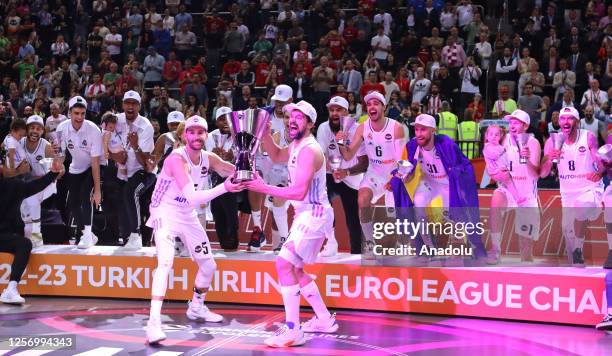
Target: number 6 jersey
[[575, 165], [380, 148]]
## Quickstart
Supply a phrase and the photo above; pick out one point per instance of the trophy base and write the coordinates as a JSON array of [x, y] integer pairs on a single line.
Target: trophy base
[[244, 176]]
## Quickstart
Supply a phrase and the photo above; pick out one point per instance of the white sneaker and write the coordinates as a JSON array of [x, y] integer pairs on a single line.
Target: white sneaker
[[37, 240], [368, 250], [330, 249], [493, 257], [155, 333], [199, 311], [134, 242], [11, 296], [285, 337], [87, 240], [280, 245], [316, 325]]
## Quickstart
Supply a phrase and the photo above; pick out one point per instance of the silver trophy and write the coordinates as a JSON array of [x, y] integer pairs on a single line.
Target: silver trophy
[[404, 168], [605, 153], [46, 163], [558, 138], [219, 140], [334, 163], [247, 128], [56, 139], [521, 141], [346, 122]]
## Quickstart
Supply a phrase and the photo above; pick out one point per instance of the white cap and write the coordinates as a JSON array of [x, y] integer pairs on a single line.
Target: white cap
[[519, 115], [568, 111], [35, 119], [282, 93], [77, 100], [175, 117], [224, 110], [131, 95], [338, 100], [425, 120], [375, 95], [304, 107], [196, 120]]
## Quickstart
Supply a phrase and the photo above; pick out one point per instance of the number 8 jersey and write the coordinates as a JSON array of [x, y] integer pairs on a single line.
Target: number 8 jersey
[[380, 148], [575, 165]]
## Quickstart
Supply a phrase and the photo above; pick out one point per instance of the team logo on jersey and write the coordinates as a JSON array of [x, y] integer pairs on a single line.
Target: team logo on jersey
[[84, 143], [332, 146], [293, 160], [204, 171], [70, 144], [39, 157], [582, 149], [369, 135], [388, 137], [523, 228]]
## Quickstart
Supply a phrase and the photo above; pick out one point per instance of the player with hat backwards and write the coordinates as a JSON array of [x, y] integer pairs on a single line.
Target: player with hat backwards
[[178, 191], [580, 180], [307, 193]]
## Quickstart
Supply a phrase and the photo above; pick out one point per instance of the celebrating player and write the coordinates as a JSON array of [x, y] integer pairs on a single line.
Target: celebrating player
[[525, 177], [313, 217], [580, 173], [173, 214], [384, 141]]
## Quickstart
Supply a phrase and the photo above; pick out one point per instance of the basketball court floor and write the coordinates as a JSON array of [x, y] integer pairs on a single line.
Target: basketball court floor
[[105, 327]]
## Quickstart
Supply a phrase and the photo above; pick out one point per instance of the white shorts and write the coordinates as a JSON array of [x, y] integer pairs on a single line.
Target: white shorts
[[527, 216], [583, 205], [607, 202], [377, 184], [188, 229], [30, 207], [427, 191], [306, 237]]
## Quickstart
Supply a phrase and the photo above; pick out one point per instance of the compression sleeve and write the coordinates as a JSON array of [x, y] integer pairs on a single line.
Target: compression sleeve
[[196, 198]]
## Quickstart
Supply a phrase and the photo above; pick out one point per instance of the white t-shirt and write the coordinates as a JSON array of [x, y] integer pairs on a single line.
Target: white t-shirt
[[420, 89], [327, 140], [383, 42], [466, 14], [11, 143], [82, 144], [52, 122], [113, 49], [386, 20], [142, 126]]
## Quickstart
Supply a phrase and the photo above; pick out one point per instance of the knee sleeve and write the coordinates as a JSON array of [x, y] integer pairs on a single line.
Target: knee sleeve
[[164, 242], [206, 270]]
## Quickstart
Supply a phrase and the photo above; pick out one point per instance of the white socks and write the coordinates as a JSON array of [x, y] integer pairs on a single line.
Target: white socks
[[12, 285], [368, 230], [256, 215], [496, 239], [36, 227], [291, 300], [280, 217], [155, 313], [87, 230], [198, 296], [313, 297], [275, 238]]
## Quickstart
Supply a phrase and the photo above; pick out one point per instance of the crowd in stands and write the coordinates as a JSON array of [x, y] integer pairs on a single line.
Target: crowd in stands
[[460, 61]]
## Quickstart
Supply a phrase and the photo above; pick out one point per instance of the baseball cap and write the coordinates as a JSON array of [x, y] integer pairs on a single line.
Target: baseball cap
[[519, 115], [282, 93], [35, 119], [305, 107], [224, 110], [425, 120], [131, 95], [375, 95], [77, 100], [175, 117], [197, 121], [340, 101], [568, 111]]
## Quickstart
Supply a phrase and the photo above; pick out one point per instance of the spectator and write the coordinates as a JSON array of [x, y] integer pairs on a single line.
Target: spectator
[[390, 86], [127, 80], [383, 19], [594, 97], [163, 40], [448, 19], [563, 80], [590, 123], [234, 42], [505, 105], [322, 79], [93, 93], [136, 21], [270, 29], [152, 16], [153, 66], [241, 101], [60, 48], [295, 37], [453, 55], [533, 105], [110, 77], [65, 78], [381, 45], [432, 103], [566, 101], [301, 84], [193, 106], [172, 70], [183, 18], [262, 45], [198, 89], [534, 77], [281, 49], [112, 41], [419, 87], [506, 72], [371, 85], [245, 76], [354, 106], [184, 42], [476, 107], [470, 83], [168, 22], [350, 78]]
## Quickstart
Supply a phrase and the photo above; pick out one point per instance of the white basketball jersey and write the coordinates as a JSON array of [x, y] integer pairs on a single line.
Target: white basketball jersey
[[167, 194], [327, 139], [432, 168], [380, 148], [33, 158], [575, 164], [315, 202], [10, 142], [526, 183], [283, 142]]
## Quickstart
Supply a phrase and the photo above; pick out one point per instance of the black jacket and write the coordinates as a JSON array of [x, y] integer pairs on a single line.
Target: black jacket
[[13, 191]]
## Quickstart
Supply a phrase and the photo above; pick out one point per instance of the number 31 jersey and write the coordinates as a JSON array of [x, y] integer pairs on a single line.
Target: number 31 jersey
[[575, 165], [380, 148]]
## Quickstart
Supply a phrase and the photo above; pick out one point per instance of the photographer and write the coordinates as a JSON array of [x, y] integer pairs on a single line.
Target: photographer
[[470, 84], [14, 191], [7, 114]]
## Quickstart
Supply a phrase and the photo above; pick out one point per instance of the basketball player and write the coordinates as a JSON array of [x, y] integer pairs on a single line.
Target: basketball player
[[83, 139], [580, 173], [283, 95], [173, 214], [313, 217], [36, 148], [525, 177], [166, 142], [347, 178], [384, 141]]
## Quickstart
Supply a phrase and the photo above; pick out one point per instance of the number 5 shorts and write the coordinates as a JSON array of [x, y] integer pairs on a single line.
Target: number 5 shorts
[[166, 226]]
